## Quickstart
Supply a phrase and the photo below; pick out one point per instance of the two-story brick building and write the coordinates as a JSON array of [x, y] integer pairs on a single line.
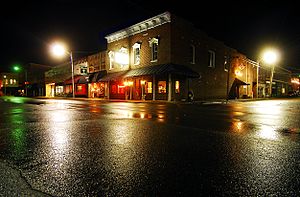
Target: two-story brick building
[[165, 56]]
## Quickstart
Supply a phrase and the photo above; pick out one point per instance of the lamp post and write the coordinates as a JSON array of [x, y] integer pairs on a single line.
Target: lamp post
[[270, 57], [58, 49], [17, 68]]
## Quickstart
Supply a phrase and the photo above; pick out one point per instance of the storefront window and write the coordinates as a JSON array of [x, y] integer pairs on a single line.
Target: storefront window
[[177, 87], [113, 89], [59, 89], [79, 88], [149, 87], [121, 89], [162, 87]]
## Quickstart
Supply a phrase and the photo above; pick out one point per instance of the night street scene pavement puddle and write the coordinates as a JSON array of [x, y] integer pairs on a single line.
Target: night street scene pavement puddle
[[65, 147]]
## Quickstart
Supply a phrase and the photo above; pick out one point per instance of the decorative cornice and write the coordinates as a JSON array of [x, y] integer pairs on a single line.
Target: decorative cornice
[[140, 27]]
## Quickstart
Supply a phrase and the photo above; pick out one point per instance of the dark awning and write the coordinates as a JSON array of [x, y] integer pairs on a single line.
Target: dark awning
[[77, 79], [113, 76], [161, 69], [95, 77], [240, 82]]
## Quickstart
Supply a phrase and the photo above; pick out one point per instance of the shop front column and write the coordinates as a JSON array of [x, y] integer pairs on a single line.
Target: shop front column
[[107, 89], [170, 88]]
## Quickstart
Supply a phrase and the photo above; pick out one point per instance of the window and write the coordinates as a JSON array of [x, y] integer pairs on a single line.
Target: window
[[148, 87], [154, 49], [192, 54], [226, 63], [121, 89], [79, 88], [136, 53], [59, 89], [162, 87], [177, 87], [111, 55], [211, 59], [83, 70], [114, 89]]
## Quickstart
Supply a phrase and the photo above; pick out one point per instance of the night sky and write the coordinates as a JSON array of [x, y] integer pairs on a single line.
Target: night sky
[[28, 27]]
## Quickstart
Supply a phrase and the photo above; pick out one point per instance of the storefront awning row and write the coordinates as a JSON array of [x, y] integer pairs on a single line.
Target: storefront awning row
[[162, 69], [152, 70], [102, 76]]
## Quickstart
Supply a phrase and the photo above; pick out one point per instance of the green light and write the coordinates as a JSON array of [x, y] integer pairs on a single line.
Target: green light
[[17, 67]]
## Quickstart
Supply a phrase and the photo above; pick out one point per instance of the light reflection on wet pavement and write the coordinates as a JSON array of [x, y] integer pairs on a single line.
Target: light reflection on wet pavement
[[88, 148]]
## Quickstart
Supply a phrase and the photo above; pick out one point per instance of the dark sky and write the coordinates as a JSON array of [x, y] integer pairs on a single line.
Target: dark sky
[[28, 27]]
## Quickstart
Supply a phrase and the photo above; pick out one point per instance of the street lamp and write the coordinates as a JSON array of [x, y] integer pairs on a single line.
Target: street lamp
[[17, 68], [58, 50], [4, 84], [270, 56]]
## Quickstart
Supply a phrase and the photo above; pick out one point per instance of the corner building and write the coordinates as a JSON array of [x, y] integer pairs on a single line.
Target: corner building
[[164, 57]]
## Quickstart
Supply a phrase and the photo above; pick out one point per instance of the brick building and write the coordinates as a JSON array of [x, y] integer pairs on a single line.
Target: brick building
[[165, 56]]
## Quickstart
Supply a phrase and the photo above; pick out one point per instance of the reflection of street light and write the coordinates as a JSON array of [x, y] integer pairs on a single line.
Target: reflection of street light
[[58, 49], [270, 56]]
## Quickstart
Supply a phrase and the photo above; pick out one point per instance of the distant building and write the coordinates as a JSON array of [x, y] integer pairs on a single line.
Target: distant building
[[32, 79], [86, 69], [9, 84]]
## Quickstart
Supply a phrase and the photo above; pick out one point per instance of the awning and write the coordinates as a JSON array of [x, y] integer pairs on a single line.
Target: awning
[[95, 77], [113, 76], [240, 82], [161, 69], [77, 79]]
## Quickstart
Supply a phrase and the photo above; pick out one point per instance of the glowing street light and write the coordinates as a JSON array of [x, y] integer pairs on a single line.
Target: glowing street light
[[4, 84], [18, 68], [59, 50], [270, 56]]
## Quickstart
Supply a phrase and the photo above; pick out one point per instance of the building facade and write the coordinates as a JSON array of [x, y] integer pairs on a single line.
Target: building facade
[[86, 70], [165, 57]]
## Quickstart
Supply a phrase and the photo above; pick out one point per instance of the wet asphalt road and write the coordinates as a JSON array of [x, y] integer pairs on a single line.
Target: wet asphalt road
[[55, 147]]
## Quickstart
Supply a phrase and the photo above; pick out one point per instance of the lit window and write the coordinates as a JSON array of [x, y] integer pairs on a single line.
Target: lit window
[[59, 89], [83, 70], [11, 81], [211, 59], [111, 55], [162, 87], [226, 63], [121, 89], [154, 48], [149, 87], [136, 53], [192, 54], [177, 87], [79, 88]]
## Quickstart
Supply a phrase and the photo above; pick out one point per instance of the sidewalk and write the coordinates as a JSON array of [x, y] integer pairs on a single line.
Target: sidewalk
[[199, 102]]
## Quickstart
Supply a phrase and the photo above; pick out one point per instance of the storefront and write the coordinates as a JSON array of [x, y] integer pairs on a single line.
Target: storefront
[[161, 82]]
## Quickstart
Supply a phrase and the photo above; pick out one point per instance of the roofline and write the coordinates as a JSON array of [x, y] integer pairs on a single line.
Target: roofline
[[140, 27]]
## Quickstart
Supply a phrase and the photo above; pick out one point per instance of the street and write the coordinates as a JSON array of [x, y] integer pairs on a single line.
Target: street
[[65, 147]]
